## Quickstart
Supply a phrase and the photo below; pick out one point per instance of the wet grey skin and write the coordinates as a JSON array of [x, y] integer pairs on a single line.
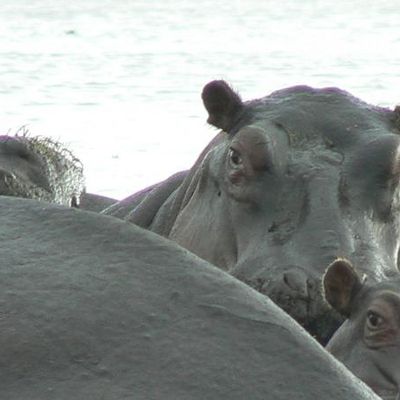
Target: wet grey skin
[[92, 307], [368, 342], [39, 168], [293, 181]]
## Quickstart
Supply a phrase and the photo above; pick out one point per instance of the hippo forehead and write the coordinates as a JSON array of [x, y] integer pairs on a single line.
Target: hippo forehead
[[330, 116], [391, 285], [387, 290]]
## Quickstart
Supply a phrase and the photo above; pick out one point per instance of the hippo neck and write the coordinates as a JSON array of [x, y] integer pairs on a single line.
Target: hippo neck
[[166, 216]]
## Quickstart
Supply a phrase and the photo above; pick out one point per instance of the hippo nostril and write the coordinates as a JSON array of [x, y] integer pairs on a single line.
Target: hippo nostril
[[286, 280], [297, 281]]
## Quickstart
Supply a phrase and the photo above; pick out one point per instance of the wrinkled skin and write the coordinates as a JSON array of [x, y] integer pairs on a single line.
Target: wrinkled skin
[[368, 342], [84, 316], [39, 168], [294, 180]]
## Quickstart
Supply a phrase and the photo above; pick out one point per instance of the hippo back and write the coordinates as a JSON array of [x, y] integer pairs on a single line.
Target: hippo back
[[95, 308]]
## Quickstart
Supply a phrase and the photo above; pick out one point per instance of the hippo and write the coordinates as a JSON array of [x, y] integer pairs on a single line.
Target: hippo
[[368, 342], [40, 168], [92, 307], [293, 181], [94, 202]]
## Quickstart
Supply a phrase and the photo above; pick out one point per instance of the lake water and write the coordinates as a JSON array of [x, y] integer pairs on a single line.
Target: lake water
[[119, 81]]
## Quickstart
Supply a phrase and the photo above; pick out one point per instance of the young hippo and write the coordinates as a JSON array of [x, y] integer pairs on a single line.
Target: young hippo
[[368, 342]]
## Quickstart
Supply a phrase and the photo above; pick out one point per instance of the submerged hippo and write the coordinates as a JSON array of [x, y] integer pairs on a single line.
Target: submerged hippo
[[294, 180], [39, 168], [85, 316], [368, 342]]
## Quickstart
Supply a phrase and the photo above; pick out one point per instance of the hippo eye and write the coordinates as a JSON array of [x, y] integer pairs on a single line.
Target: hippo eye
[[374, 321], [234, 158]]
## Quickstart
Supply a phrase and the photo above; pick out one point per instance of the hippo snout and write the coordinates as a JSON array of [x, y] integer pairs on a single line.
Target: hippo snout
[[291, 290], [299, 293], [295, 289], [291, 287]]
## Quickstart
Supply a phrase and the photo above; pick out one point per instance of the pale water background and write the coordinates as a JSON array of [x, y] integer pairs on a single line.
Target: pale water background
[[119, 81]]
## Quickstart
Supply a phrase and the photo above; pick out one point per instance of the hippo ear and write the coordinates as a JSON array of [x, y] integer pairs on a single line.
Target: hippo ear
[[341, 284], [222, 104]]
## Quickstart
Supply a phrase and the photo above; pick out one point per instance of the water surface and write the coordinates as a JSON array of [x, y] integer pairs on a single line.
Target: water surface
[[119, 81]]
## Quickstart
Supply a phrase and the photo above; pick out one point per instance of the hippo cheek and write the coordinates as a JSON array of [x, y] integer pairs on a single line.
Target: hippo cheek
[[386, 380], [380, 380]]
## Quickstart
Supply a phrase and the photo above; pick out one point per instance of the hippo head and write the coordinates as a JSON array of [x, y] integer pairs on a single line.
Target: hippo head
[[293, 181], [368, 342], [39, 168]]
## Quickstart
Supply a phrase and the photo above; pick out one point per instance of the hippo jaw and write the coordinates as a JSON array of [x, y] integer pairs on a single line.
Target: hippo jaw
[[368, 342]]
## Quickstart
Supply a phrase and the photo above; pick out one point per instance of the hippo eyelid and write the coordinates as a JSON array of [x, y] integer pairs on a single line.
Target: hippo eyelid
[[374, 320], [382, 313], [21, 150], [24, 154], [235, 159]]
